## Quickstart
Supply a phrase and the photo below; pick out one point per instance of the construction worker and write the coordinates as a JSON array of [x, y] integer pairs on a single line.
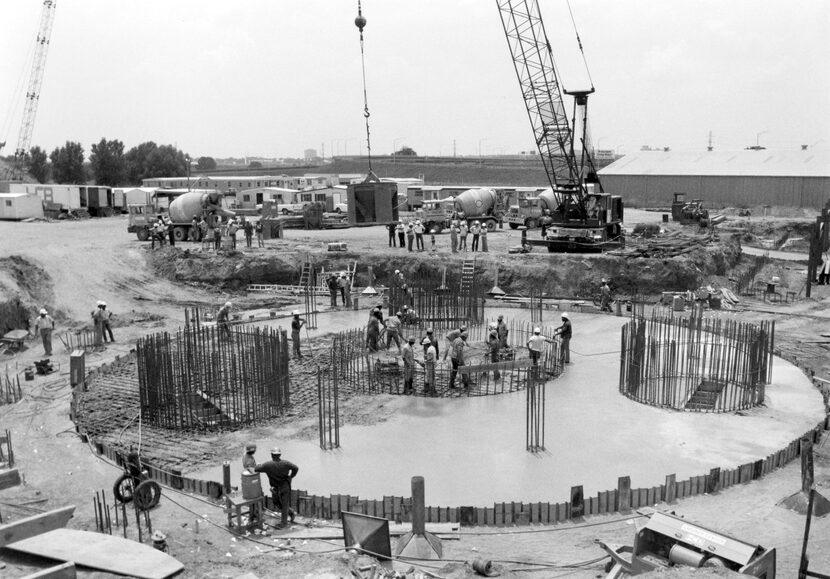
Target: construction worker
[[248, 228], [454, 237], [44, 324], [203, 234], [217, 237], [605, 296], [462, 235], [107, 329], [280, 474], [334, 288], [475, 230], [401, 230], [223, 320], [393, 329], [248, 460], [493, 348], [171, 232], [410, 235], [502, 331], [98, 321], [372, 333], [391, 227], [451, 336], [194, 230], [258, 230], [419, 235], [433, 245], [565, 331], [433, 340], [430, 359], [546, 221], [345, 289], [484, 238], [457, 360], [536, 344], [408, 355], [233, 227], [296, 326]]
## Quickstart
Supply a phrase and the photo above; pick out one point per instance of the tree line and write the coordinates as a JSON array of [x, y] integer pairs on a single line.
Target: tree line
[[109, 165]]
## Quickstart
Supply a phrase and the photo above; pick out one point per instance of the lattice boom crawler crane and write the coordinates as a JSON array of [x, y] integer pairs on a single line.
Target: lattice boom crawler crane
[[584, 218]]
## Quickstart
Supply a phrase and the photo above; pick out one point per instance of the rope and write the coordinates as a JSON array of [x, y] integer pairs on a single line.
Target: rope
[[579, 42], [361, 22]]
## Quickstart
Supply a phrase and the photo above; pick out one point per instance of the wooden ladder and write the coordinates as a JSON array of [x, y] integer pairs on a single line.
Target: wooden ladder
[[468, 269], [306, 275]]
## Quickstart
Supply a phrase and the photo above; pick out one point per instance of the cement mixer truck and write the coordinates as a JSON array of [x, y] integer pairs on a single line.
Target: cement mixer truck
[[529, 211], [487, 206], [183, 208]]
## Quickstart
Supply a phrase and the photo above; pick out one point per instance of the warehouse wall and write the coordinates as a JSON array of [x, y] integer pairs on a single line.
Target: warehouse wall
[[656, 190]]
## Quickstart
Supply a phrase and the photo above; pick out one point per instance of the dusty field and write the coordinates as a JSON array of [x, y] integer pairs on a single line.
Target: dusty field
[[67, 266]]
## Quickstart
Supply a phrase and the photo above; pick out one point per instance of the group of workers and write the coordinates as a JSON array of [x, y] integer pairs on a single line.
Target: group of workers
[[280, 473], [410, 234], [339, 284], [103, 326], [459, 231], [207, 231]]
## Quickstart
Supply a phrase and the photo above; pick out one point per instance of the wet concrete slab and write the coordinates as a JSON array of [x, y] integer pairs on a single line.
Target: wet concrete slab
[[471, 451]]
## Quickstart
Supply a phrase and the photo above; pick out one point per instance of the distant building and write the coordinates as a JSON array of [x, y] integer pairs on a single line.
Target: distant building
[[743, 178], [229, 184]]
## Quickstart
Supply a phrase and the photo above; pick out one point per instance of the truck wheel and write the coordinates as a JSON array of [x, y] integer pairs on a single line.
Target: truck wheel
[[531, 223], [491, 224], [143, 234], [285, 211], [180, 233], [514, 226]]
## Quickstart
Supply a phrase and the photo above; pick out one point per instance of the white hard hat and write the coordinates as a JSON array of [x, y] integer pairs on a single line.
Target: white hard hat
[[295, 313], [397, 271], [426, 342], [228, 304], [276, 450], [537, 330], [564, 315], [103, 304], [43, 310]]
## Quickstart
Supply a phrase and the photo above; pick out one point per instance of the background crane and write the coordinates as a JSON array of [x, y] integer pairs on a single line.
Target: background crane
[[584, 219], [27, 124]]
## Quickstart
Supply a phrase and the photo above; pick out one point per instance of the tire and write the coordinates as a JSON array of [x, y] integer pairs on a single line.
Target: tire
[[531, 223], [123, 490], [337, 210], [143, 234], [285, 211], [514, 225], [180, 234], [491, 225], [147, 495]]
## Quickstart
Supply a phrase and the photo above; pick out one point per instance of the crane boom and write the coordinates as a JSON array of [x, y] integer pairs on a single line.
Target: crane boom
[[27, 125]]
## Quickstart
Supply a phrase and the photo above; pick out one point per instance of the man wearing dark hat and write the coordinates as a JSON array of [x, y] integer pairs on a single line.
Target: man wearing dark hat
[[280, 473]]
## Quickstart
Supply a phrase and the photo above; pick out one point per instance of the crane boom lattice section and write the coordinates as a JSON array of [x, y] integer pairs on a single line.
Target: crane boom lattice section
[[35, 81], [541, 89]]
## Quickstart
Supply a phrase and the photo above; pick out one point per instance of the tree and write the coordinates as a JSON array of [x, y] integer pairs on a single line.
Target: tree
[[255, 165], [206, 164], [149, 160], [406, 152], [108, 163], [68, 164], [38, 163]]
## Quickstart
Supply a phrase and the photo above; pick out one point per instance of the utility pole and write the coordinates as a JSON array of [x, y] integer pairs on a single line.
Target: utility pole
[[710, 147]]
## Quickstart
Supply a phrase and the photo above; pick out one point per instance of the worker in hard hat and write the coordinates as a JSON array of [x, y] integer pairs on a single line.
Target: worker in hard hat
[[44, 324], [475, 230], [98, 321], [493, 346], [565, 331], [419, 235], [280, 474], [430, 359], [223, 320], [536, 344], [248, 460], [107, 329], [408, 356], [457, 360], [296, 325], [502, 331], [393, 330], [604, 296]]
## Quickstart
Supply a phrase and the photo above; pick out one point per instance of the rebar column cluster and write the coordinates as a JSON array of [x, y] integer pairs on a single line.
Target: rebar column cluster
[[705, 365], [201, 378], [439, 300]]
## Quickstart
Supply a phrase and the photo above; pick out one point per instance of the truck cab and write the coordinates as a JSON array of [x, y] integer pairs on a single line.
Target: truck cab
[[140, 218], [528, 212]]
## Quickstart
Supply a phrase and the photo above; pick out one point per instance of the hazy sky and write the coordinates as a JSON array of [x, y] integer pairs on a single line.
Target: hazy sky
[[274, 77]]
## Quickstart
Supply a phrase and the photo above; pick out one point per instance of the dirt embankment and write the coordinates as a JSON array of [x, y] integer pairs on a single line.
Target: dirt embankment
[[556, 274], [25, 287]]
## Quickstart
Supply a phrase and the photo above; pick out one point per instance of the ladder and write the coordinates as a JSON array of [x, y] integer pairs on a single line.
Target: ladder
[[306, 275], [468, 269]]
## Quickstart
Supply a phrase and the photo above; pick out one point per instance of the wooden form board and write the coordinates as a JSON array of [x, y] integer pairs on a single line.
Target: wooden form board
[[35, 525], [99, 551]]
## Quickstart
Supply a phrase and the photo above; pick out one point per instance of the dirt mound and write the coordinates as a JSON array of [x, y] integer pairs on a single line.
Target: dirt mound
[[24, 288]]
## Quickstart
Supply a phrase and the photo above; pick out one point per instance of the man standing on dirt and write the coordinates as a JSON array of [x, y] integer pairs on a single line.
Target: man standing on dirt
[[258, 231], [372, 332], [419, 236], [107, 329], [454, 237], [280, 474], [464, 230], [392, 227], [233, 227], [605, 296], [410, 236], [484, 238], [457, 360], [248, 227], [408, 355], [98, 319], [493, 347], [331, 282], [44, 324], [401, 229], [203, 234], [430, 359], [217, 236], [475, 230], [296, 326], [393, 329], [171, 232], [502, 331], [223, 320], [345, 290], [565, 331]]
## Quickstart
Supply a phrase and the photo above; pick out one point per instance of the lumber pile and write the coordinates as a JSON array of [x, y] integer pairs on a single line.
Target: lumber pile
[[670, 244]]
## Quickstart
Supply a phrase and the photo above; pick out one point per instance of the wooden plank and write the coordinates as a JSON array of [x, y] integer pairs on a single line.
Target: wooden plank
[[62, 571], [100, 551], [535, 514], [481, 516], [713, 481], [671, 488], [9, 478], [35, 525], [490, 516], [603, 502], [544, 514], [593, 506], [624, 494], [508, 514], [433, 514], [499, 510], [577, 502]]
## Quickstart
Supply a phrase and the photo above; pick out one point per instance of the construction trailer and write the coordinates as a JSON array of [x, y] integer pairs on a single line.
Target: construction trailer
[[123, 197], [65, 197], [97, 200], [17, 206]]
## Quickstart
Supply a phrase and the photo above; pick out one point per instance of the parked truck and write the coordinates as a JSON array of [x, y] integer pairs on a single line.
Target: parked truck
[[530, 211], [487, 206], [182, 210]]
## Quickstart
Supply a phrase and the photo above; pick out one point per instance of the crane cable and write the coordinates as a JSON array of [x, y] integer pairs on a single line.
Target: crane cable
[[579, 42], [360, 22]]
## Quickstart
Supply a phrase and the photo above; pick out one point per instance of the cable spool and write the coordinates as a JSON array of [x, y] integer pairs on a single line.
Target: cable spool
[[680, 555]]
